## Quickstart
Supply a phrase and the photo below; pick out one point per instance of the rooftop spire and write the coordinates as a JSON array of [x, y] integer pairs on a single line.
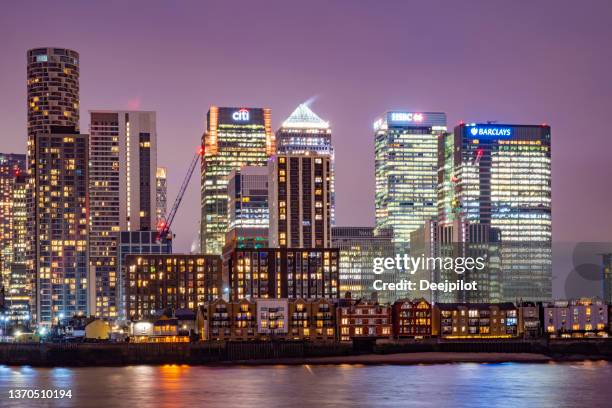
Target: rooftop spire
[[303, 117]]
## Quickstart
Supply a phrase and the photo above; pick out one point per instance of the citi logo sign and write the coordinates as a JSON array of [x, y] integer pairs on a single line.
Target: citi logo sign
[[491, 131], [241, 115]]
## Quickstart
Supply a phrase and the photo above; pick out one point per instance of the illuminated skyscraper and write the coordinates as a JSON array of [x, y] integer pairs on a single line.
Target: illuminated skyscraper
[[305, 132], [234, 137], [59, 231], [122, 180], [12, 166], [406, 162], [19, 290], [500, 175], [300, 201], [161, 194]]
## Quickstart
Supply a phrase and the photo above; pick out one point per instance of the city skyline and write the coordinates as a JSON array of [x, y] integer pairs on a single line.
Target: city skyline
[[482, 97]]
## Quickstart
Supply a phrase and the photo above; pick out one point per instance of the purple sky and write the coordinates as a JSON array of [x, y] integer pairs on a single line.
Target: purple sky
[[515, 62]]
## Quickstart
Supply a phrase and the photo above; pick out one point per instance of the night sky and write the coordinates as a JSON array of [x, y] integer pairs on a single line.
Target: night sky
[[526, 62]]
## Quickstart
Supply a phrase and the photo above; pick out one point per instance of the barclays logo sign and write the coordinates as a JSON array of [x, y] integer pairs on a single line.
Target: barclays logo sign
[[491, 131]]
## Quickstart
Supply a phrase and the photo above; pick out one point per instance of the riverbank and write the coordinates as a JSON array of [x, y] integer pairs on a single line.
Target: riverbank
[[431, 351]]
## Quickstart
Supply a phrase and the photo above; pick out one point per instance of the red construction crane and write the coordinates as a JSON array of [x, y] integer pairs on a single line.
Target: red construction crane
[[164, 225]]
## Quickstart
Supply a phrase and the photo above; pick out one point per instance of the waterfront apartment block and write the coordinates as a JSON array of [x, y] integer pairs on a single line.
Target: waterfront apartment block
[[309, 273], [300, 201], [475, 320], [234, 137], [406, 164], [122, 180], [411, 318], [575, 318], [175, 281], [266, 319], [363, 319]]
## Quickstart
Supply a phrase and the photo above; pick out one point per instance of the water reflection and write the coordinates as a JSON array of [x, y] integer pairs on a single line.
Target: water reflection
[[457, 385]]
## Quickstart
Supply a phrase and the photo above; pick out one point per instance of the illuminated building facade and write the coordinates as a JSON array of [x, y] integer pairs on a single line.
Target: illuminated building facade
[[175, 281], [363, 319], [406, 161], [358, 247], [282, 273], [122, 190], [234, 137], [575, 318], [305, 132], [248, 212], [459, 239], [58, 232], [475, 320], [300, 201], [136, 243], [411, 318], [161, 194], [500, 175], [13, 236], [54, 221], [12, 166]]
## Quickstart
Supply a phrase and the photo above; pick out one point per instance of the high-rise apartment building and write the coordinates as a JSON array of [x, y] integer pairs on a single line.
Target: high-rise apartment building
[[123, 194], [500, 175], [607, 278], [300, 201], [234, 137], [161, 194], [248, 212], [58, 232], [358, 247], [305, 132], [13, 236], [406, 161], [57, 186], [12, 166]]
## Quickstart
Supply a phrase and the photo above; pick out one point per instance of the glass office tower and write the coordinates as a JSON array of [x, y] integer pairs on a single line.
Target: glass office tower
[[406, 167], [234, 137], [500, 175]]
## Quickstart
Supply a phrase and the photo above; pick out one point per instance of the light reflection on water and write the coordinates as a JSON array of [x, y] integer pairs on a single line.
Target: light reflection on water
[[456, 385]]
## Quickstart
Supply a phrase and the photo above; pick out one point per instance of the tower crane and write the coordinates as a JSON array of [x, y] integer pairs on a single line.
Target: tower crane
[[164, 225]]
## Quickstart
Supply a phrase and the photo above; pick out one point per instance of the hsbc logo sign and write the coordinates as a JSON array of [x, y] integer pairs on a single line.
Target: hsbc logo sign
[[406, 117], [241, 115]]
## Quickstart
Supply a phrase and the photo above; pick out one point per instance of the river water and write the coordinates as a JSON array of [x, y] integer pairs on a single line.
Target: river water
[[583, 384]]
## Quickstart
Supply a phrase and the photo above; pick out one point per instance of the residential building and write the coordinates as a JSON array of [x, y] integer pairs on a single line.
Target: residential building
[[300, 201], [575, 318], [363, 319], [309, 273], [411, 318], [122, 176], [174, 281], [475, 320]]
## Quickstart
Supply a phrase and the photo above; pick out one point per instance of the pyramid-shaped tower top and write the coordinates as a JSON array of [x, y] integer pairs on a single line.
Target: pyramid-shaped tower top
[[304, 118]]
